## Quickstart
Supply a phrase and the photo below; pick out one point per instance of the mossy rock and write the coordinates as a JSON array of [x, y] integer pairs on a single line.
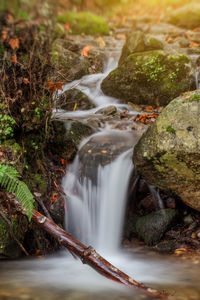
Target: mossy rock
[[187, 16], [168, 154], [85, 22], [150, 77], [70, 65], [74, 98], [152, 227], [139, 42]]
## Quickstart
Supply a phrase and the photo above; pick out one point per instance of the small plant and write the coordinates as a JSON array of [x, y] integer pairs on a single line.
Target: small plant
[[170, 129], [194, 98], [9, 180], [7, 124]]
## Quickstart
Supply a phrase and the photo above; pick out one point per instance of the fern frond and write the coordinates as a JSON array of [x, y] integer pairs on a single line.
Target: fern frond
[[9, 180]]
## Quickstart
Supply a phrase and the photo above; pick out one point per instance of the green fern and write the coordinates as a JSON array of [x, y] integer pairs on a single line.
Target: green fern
[[9, 180]]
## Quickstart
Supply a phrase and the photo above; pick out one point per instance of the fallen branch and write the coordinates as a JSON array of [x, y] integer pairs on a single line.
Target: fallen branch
[[89, 256]]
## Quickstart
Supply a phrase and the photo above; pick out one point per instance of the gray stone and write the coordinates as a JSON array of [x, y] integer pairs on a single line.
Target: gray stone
[[168, 154], [74, 98], [139, 42], [152, 227]]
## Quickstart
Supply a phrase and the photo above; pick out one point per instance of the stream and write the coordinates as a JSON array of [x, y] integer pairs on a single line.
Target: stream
[[96, 193]]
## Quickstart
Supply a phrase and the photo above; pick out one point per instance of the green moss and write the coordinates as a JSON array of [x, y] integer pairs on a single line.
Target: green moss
[[154, 65], [85, 22], [170, 161], [170, 129], [194, 98], [39, 182]]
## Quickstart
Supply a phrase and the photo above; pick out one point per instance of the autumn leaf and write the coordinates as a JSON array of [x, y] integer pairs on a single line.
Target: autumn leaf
[[194, 45], [86, 50], [14, 58], [67, 27], [146, 118], [26, 81], [14, 43], [148, 108], [54, 86]]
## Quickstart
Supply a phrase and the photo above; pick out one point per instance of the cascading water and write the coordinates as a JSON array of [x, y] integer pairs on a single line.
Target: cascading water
[[95, 210]]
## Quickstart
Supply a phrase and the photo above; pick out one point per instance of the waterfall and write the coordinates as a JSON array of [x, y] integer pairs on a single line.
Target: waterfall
[[95, 210]]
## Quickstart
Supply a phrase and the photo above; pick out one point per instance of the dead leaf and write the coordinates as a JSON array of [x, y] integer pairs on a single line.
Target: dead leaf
[[26, 81], [149, 108], [14, 58], [54, 86], [67, 27], [86, 50], [14, 43], [194, 44]]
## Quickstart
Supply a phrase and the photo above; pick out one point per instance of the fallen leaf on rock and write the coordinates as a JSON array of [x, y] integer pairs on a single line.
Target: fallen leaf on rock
[[146, 118], [86, 50]]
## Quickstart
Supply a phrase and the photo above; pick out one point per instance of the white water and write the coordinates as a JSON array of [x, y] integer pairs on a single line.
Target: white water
[[95, 211], [90, 85]]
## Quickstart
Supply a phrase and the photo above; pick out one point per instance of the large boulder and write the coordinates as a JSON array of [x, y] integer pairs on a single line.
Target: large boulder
[[168, 154], [137, 41], [150, 77], [187, 16]]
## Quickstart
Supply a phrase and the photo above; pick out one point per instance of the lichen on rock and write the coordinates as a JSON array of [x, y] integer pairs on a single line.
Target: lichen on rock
[[170, 159]]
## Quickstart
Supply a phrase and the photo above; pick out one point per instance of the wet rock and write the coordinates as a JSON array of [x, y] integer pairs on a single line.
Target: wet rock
[[152, 227], [168, 154], [85, 22], [102, 149], [71, 65], [78, 131], [74, 98], [150, 78], [166, 246], [139, 42], [107, 111], [130, 226], [67, 58], [187, 16]]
